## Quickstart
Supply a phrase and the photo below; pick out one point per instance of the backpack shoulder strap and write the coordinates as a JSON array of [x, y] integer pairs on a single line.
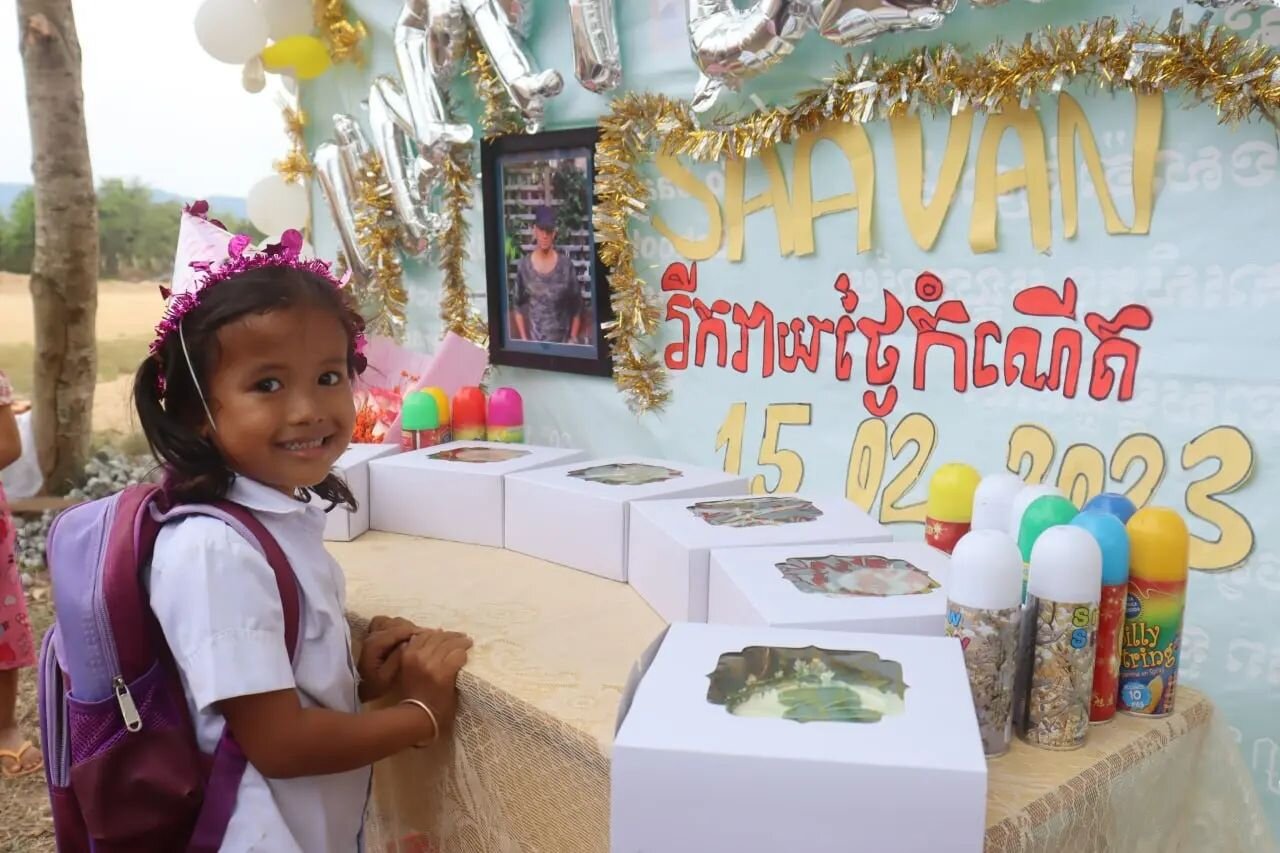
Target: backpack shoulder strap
[[229, 760], [247, 525]]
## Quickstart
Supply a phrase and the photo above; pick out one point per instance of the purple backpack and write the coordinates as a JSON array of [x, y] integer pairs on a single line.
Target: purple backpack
[[120, 753]]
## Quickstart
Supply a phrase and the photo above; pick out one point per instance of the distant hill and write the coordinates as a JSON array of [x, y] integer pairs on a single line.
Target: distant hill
[[8, 192], [218, 204]]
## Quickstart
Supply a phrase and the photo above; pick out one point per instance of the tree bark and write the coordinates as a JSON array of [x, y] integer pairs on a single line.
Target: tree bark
[[64, 283]]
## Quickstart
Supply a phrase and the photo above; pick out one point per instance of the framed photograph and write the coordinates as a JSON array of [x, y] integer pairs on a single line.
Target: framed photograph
[[548, 295]]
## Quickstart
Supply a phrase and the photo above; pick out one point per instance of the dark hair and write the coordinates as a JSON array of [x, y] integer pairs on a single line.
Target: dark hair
[[194, 468]]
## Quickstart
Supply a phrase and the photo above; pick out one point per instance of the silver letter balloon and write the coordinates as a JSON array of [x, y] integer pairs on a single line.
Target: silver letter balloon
[[597, 62], [849, 22], [338, 165], [529, 89], [731, 44]]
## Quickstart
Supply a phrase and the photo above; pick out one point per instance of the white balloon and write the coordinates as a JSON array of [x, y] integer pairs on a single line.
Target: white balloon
[[231, 31], [253, 77], [274, 205], [287, 17]]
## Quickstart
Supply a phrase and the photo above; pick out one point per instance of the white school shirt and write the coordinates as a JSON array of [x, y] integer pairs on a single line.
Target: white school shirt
[[216, 600]]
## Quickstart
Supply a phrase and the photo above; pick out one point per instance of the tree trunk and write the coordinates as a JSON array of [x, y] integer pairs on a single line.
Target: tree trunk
[[64, 283]]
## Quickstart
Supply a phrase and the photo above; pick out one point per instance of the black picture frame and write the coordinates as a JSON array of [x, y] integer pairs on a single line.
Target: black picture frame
[[511, 200]]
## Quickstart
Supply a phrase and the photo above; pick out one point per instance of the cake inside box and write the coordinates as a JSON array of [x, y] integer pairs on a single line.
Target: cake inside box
[[808, 685], [856, 575], [479, 455], [756, 512], [626, 474]]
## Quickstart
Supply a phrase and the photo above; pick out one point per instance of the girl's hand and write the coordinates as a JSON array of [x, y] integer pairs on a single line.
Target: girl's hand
[[429, 667], [380, 655]]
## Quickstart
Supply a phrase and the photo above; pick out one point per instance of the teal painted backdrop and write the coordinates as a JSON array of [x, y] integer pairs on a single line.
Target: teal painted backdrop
[[1204, 418]]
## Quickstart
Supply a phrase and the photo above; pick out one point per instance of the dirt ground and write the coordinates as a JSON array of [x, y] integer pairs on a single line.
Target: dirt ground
[[25, 825], [127, 315]]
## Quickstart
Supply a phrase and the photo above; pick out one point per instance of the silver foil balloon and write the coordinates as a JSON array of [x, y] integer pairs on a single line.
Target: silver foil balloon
[[338, 166], [850, 22], [1247, 5], [446, 27], [426, 114], [411, 168], [597, 61], [731, 44], [529, 88], [519, 14]]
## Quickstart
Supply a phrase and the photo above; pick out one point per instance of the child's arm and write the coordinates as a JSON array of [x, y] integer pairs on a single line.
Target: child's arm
[[282, 739]]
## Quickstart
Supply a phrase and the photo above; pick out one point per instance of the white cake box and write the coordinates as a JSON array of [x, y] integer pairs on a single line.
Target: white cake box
[[669, 541], [341, 524], [885, 587], [577, 515], [690, 776], [452, 491]]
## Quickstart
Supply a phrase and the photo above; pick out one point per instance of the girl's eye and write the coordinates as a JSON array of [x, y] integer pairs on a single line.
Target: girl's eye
[[331, 377], [266, 386]]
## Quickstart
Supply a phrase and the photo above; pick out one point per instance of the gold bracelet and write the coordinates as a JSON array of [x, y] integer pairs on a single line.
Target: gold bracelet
[[435, 724]]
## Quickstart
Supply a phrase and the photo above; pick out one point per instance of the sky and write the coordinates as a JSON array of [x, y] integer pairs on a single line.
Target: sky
[[157, 107]]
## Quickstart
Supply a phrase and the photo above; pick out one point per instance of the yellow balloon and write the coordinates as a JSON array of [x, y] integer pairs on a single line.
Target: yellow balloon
[[951, 493], [303, 56]]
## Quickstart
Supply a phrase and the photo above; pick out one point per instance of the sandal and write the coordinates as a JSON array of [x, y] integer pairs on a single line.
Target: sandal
[[17, 771]]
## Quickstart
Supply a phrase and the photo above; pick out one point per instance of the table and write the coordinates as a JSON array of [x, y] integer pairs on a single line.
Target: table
[[528, 768]]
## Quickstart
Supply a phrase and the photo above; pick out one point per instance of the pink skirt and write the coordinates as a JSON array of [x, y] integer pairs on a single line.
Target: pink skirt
[[17, 646]]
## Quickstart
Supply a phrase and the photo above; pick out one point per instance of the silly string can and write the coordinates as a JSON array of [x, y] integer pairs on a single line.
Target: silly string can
[[984, 612], [949, 508], [1114, 542], [1060, 630], [1159, 552]]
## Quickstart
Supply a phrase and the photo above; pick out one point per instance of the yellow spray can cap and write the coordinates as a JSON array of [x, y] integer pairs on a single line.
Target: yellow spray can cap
[[1159, 544], [951, 493]]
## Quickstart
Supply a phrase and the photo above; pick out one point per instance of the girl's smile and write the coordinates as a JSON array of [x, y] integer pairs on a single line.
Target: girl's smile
[[280, 395], [307, 448]]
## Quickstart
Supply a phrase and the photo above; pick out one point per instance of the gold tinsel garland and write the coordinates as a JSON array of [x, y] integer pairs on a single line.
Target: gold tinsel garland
[[341, 36], [382, 298], [455, 298], [295, 167], [1240, 79], [499, 116]]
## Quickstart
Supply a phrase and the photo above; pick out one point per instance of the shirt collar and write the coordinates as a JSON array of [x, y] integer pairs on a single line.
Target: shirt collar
[[262, 498]]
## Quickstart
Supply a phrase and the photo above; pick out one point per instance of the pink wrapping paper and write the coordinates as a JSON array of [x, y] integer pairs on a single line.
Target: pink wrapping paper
[[395, 371]]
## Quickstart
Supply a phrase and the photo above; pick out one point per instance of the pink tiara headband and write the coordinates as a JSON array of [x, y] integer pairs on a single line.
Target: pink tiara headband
[[208, 254]]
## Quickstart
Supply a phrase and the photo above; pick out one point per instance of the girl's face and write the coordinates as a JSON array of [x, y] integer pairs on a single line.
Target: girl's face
[[280, 396], [544, 239]]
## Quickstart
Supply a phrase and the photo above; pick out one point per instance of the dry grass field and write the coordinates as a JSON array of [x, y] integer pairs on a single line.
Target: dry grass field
[[127, 314]]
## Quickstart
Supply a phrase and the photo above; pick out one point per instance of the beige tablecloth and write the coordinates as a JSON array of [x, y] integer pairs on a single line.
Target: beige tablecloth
[[528, 769]]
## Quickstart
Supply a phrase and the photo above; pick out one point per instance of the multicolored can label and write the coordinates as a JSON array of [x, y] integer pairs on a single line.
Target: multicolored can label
[[507, 435], [416, 439], [990, 642], [1150, 646], [944, 535], [469, 433], [1058, 678], [1106, 668]]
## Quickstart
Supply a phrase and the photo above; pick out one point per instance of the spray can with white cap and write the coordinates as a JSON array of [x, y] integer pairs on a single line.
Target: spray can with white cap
[[1055, 684], [984, 610], [993, 501]]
